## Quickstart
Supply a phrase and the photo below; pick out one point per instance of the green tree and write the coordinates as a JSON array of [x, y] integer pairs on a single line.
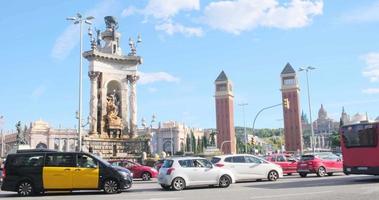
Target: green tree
[[199, 145], [335, 139], [188, 143], [193, 142], [205, 141]]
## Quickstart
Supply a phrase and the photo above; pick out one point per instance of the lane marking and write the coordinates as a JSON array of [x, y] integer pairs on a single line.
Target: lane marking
[[290, 195]]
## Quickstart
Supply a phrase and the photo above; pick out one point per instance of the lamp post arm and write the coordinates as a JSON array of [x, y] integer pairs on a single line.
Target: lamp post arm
[[222, 144], [263, 109]]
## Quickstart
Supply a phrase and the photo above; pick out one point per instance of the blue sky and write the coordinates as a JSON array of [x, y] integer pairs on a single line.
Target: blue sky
[[186, 44]]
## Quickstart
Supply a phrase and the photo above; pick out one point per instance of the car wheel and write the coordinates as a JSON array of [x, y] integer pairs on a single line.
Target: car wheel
[[330, 174], [127, 186], [273, 175], [178, 184], [321, 172], [289, 174], [25, 188], [302, 174], [110, 186], [146, 176], [166, 187], [225, 181]]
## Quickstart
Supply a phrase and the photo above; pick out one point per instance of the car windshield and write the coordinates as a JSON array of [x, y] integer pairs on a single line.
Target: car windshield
[[167, 163]]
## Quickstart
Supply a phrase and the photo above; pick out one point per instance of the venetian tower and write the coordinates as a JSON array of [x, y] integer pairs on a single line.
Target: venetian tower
[[113, 75], [226, 139], [293, 134]]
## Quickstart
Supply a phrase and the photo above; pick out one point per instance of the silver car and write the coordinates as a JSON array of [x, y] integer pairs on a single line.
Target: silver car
[[179, 173]]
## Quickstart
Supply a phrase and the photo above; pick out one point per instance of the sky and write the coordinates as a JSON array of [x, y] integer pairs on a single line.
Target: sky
[[186, 44]]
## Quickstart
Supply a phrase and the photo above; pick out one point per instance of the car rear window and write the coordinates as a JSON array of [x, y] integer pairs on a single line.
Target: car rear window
[[307, 157], [167, 163], [215, 160]]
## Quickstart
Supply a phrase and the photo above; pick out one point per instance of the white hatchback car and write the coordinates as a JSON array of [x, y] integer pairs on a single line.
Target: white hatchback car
[[179, 173], [248, 167]]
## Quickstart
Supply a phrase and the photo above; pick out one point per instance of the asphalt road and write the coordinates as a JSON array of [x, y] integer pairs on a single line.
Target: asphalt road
[[289, 188]]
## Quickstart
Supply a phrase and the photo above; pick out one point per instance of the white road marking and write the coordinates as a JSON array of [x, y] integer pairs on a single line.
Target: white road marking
[[289, 195]]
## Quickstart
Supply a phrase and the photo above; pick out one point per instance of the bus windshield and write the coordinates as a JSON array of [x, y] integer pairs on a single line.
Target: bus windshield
[[360, 136]]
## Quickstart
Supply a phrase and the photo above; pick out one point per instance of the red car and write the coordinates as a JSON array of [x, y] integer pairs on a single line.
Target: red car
[[138, 170], [158, 164], [320, 164], [286, 161]]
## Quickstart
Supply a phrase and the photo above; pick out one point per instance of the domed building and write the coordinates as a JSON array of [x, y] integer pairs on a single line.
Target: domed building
[[324, 124]]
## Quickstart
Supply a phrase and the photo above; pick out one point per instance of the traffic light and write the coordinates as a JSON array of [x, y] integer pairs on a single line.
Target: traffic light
[[286, 103]]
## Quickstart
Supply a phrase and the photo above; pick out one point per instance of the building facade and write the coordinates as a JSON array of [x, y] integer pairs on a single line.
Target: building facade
[[226, 139], [293, 134], [40, 135]]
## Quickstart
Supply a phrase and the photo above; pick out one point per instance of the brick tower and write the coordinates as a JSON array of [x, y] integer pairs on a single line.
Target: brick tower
[[226, 139], [293, 134]]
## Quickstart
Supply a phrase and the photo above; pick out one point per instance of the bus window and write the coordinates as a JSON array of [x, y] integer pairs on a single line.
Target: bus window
[[359, 136]]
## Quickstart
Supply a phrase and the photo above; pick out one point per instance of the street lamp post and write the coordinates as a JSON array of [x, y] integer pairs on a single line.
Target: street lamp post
[[2, 135], [244, 123], [308, 69], [79, 19]]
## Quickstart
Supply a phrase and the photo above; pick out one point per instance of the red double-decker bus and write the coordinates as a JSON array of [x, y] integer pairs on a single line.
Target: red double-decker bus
[[360, 150]]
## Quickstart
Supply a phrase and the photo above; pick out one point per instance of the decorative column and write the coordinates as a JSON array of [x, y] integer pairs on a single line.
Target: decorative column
[[93, 101], [125, 105], [133, 104]]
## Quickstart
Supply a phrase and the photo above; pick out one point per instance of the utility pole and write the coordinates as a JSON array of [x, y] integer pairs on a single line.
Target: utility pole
[[244, 123]]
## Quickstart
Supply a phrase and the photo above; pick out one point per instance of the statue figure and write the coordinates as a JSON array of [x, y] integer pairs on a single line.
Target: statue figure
[[21, 135], [212, 141], [98, 38], [110, 22], [114, 122]]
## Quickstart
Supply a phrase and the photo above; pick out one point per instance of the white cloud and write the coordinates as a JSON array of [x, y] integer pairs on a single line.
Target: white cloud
[[146, 78], [372, 66], [163, 9], [38, 91], [364, 14], [69, 39], [163, 12], [131, 10], [243, 15], [371, 91], [171, 28]]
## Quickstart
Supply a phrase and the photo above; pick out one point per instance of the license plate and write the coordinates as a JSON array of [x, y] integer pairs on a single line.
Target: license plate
[[303, 164], [362, 168]]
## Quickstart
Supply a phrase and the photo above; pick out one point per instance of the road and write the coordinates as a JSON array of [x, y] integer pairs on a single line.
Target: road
[[289, 188]]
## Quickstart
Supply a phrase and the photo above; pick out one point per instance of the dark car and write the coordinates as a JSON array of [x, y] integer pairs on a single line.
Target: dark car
[[36, 171], [320, 164]]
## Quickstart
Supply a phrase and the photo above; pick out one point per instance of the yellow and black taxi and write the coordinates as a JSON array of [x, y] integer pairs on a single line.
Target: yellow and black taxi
[[29, 172]]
